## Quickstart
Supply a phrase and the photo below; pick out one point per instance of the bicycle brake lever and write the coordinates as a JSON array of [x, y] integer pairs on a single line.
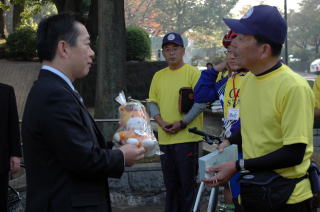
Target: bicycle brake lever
[[208, 140]]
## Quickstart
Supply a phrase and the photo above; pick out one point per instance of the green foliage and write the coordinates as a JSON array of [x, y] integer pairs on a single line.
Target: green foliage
[[304, 33], [181, 16], [85, 4], [305, 57], [35, 11], [4, 7], [199, 20], [138, 44], [203, 38], [21, 44]]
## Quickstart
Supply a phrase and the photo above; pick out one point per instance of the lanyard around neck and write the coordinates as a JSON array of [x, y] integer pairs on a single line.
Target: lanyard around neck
[[235, 93]]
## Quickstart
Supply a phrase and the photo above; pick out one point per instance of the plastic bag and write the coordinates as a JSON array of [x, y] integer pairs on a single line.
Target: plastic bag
[[135, 127]]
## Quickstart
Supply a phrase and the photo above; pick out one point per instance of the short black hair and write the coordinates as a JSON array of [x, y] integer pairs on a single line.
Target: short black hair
[[209, 64], [53, 29], [275, 47]]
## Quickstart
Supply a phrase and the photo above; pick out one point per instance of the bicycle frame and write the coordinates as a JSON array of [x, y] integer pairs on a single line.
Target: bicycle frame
[[213, 199]]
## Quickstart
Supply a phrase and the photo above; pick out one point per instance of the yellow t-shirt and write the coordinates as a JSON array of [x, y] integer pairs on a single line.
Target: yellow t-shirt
[[277, 110], [221, 75], [233, 86], [316, 91], [164, 91]]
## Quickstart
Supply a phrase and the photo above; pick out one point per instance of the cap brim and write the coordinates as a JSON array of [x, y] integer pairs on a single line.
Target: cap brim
[[238, 27], [177, 43]]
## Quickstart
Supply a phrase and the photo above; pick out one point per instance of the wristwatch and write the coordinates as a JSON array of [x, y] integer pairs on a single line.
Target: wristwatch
[[182, 125]]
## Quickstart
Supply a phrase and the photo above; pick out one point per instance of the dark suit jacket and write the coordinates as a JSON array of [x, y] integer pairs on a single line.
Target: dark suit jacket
[[66, 161], [9, 127]]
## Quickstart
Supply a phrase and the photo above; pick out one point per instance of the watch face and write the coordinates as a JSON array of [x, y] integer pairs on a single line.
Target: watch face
[[243, 171], [248, 177]]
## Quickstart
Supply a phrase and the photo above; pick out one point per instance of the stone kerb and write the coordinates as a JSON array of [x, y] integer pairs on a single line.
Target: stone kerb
[[140, 185]]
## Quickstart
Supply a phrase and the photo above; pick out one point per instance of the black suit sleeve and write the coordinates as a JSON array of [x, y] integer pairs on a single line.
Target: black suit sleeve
[[71, 141], [14, 132]]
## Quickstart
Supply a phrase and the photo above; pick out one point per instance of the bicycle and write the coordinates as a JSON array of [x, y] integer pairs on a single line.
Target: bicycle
[[213, 203]]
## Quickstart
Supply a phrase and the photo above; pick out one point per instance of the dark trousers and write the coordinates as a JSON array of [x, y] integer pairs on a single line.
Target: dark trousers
[[304, 206], [180, 168], [3, 192]]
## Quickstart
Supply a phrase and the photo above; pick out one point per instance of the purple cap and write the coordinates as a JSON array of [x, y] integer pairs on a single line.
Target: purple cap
[[262, 20], [172, 37]]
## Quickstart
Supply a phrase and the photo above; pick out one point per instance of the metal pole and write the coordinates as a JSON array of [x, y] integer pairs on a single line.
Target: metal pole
[[213, 199], [196, 204], [286, 42]]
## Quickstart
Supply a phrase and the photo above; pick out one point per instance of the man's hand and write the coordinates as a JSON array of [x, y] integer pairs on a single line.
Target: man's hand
[[164, 125], [223, 145], [174, 127], [14, 164], [222, 173], [132, 153], [221, 66]]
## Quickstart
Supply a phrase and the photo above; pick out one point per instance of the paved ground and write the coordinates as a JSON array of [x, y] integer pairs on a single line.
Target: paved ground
[[152, 208], [159, 208]]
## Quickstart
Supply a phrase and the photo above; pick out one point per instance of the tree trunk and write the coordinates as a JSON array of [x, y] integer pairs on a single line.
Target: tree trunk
[[17, 10], [68, 6], [72, 6], [110, 61], [92, 23], [75, 7], [60, 5], [2, 21]]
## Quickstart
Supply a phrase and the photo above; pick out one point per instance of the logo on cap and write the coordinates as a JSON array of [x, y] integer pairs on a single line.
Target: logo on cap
[[248, 13], [171, 37]]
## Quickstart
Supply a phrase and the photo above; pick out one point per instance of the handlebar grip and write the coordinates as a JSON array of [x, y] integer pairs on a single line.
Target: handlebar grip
[[198, 132], [205, 135]]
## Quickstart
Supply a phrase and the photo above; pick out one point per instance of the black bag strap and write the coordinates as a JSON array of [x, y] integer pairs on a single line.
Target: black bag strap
[[265, 177]]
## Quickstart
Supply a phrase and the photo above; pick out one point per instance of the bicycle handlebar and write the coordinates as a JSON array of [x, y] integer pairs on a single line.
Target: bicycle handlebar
[[210, 139]]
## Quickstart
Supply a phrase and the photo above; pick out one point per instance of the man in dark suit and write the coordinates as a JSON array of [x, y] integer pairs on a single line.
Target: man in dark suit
[[10, 149], [67, 162]]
